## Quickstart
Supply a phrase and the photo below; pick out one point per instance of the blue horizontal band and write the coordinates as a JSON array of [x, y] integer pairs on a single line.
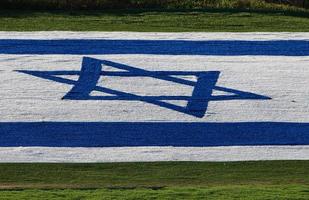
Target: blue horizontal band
[[157, 47], [132, 134]]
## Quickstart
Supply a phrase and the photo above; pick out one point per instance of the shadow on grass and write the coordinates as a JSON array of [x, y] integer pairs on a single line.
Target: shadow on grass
[[16, 13]]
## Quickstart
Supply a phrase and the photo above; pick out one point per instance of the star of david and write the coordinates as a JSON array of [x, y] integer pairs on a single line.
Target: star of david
[[197, 103]]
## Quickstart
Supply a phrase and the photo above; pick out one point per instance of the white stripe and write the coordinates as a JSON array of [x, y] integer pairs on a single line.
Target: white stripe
[[156, 36], [284, 79], [151, 154]]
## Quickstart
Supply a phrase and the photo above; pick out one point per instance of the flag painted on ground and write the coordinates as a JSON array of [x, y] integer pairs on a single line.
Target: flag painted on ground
[[109, 97]]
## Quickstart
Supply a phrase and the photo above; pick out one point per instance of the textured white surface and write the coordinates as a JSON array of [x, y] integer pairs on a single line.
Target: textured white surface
[[284, 79], [152, 154], [156, 36]]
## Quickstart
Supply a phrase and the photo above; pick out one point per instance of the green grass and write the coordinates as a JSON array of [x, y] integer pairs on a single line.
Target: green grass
[[161, 21], [173, 193], [165, 180], [162, 4]]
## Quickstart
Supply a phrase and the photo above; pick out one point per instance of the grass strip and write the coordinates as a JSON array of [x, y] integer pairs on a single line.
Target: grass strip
[[153, 175], [161, 4], [159, 180], [213, 193], [220, 20]]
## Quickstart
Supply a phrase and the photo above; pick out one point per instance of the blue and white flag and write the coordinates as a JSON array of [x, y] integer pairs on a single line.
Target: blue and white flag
[[125, 96]]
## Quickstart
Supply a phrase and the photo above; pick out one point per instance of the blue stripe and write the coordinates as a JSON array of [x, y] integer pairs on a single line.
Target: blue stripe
[[159, 47], [117, 134]]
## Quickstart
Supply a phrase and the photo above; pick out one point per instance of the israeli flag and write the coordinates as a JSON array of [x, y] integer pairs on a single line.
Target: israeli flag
[[125, 96]]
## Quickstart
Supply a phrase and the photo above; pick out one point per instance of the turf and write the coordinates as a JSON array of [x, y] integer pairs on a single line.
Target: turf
[[155, 21], [186, 180], [215, 193], [159, 4]]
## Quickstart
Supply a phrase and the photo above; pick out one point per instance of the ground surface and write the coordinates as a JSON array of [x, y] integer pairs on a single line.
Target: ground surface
[[145, 21], [257, 180], [189, 180], [269, 108]]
